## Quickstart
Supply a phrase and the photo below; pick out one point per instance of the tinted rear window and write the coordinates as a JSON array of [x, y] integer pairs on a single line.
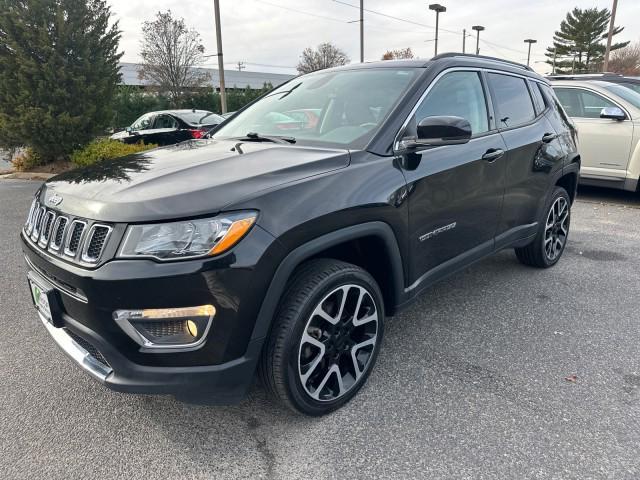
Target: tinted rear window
[[512, 100]]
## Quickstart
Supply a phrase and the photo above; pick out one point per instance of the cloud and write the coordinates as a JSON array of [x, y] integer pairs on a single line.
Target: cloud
[[272, 32]]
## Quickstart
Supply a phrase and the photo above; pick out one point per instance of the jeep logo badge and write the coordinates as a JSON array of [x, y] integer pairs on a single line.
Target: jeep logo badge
[[55, 200]]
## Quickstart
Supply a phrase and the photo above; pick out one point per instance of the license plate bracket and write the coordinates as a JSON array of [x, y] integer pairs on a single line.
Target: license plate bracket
[[45, 300]]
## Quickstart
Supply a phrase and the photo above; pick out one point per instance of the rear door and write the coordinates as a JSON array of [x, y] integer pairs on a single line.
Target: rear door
[[533, 155], [605, 144], [456, 190]]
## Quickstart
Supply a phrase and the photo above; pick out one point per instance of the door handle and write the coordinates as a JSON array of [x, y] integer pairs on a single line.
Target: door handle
[[493, 154], [547, 137]]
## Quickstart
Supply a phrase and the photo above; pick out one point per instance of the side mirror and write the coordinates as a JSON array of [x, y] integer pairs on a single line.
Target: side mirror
[[438, 131], [614, 113], [128, 130]]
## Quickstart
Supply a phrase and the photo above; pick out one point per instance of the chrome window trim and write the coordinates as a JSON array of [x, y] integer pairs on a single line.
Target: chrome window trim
[[52, 246], [396, 142], [87, 243], [68, 252]]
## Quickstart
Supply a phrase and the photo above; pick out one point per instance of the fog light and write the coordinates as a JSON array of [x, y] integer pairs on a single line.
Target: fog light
[[167, 328], [192, 328]]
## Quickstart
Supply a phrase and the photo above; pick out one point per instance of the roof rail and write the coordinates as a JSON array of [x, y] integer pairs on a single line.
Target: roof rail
[[578, 76], [483, 57]]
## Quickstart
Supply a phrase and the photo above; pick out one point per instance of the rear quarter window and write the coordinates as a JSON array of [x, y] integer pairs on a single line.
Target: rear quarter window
[[512, 100]]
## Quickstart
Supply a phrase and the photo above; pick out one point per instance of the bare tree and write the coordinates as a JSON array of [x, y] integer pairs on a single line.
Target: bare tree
[[170, 51], [326, 55], [626, 60], [398, 54]]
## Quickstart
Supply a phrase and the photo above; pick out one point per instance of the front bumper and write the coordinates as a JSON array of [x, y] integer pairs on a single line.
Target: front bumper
[[213, 384], [221, 371]]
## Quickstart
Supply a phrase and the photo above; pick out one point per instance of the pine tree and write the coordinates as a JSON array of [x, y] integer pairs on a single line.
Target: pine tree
[[58, 73], [580, 43]]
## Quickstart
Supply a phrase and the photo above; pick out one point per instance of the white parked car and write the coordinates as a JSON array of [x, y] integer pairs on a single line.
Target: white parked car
[[607, 116]]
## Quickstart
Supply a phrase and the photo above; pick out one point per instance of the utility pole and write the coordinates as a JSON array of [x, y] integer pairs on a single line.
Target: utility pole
[[464, 39], [241, 66], [529, 41], [609, 35], [361, 31], [478, 29], [223, 93], [553, 67], [438, 9]]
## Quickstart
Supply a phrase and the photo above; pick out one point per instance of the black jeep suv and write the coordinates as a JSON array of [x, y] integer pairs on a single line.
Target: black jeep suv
[[188, 269]]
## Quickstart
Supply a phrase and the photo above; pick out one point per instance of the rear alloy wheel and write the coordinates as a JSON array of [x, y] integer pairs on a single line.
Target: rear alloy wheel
[[325, 337], [549, 244], [556, 229]]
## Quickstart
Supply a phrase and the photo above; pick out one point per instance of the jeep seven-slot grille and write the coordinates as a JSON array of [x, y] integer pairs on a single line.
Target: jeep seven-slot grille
[[76, 239]]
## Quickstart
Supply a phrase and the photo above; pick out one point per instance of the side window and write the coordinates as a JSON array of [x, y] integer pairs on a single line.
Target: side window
[[459, 94], [551, 99], [512, 100], [165, 121], [537, 97], [143, 123], [593, 103], [582, 103]]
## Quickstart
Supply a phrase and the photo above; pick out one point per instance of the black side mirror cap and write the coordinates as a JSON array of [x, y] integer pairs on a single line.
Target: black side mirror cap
[[438, 131]]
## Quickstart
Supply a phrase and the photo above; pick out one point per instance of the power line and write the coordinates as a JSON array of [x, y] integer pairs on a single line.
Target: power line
[[302, 12], [399, 19]]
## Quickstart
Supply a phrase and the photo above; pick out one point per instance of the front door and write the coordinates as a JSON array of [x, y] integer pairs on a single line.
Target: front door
[[605, 144], [455, 191]]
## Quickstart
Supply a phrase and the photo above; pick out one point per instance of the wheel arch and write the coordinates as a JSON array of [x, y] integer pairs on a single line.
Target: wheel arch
[[341, 245]]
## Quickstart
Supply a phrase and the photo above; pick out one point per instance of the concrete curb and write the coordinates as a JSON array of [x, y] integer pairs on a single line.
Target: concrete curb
[[27, 176]]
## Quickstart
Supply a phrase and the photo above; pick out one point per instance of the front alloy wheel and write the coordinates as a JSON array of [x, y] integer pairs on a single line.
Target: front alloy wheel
[[338, 342], [325, 337]]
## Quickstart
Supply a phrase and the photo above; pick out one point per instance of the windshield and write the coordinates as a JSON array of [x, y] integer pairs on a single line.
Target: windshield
[[629, 95], [342, 108]]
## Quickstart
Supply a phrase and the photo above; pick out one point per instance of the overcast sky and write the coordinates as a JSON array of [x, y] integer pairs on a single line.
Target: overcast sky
[[268, 34]]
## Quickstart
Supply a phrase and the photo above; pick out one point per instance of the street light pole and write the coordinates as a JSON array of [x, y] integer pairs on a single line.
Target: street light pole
[[553, 67], [223, 93], [609, 35], [529, 41], [361, 31], [438, 9], [478, 29]]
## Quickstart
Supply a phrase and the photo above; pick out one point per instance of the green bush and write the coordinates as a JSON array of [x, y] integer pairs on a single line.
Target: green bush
[[26, 160], [105, 149]]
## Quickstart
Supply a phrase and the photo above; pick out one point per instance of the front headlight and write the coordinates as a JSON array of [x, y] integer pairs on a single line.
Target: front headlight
[[186, 239]]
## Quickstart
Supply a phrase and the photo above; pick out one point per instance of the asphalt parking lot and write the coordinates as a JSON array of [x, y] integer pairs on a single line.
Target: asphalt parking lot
[[473, 381]]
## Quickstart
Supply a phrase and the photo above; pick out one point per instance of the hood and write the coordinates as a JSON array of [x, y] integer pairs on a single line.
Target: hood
[[198, 177]]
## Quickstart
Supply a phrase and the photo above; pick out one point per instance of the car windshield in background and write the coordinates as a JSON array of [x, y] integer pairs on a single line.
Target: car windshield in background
[[200, 117], [629, 95], [341, 108]]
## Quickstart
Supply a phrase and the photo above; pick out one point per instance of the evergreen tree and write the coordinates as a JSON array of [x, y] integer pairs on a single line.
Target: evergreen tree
[[580, 43], [58, 73]]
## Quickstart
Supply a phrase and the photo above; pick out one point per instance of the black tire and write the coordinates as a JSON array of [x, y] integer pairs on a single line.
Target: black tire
[[318, 284], [537, 253]]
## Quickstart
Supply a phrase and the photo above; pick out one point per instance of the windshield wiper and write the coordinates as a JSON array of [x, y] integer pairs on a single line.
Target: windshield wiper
[[256, 137]]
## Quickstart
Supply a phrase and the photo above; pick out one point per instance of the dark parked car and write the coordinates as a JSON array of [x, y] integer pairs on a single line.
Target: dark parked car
[[630, 82], [169, 126], [187, 269]]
